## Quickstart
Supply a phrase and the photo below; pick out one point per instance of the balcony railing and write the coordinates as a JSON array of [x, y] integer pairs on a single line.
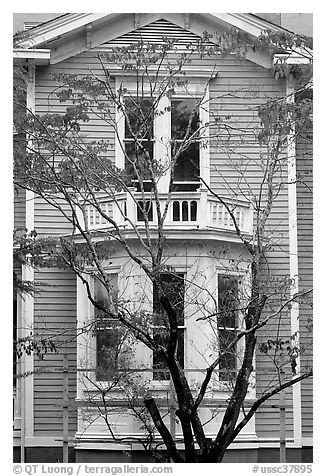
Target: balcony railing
[[186, 211]]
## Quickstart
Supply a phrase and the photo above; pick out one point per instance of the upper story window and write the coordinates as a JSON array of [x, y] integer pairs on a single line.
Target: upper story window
[[138, 138], [185, 138], [160, 131], [174, 288], [228, 322]]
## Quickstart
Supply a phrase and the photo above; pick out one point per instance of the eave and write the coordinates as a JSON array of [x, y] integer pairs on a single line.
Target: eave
[[74, 33], [35, 56], [295, 57], [59, 26]]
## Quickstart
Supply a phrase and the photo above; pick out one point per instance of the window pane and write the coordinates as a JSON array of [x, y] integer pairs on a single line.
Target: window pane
[[228, 305], [139, 118], [108, 336], [148, 208], [107, 352], [174, 288], [187, 165], [228, 360], [227, 301], [160, 371], [106, 298], [136, 157], [183, 113]]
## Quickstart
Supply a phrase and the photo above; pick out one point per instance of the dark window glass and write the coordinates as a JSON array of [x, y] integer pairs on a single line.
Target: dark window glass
[[184, 117], [107, 349], [139, 119], [141, 209], [187, 166], [138, 141], [228, 308], [174, 289], [137, 157], [109, 333], [193, 211], [184, 124]]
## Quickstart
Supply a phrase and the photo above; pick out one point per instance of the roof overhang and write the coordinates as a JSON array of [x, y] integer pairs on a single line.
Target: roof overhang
[[59, 26], [298, 56], [35, 56], [73, 33]]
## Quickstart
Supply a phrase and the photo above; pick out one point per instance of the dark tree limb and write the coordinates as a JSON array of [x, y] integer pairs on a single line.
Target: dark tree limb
[[163, 430]]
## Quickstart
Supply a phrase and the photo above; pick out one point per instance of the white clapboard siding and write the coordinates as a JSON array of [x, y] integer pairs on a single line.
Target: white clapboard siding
[[55, 318], [305, 251]]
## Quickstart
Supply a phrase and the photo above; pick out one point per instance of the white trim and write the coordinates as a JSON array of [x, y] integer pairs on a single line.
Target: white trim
[[119, 132], [293, 58], [68, 23], [162, 130], [27, 404], [307, 441], [92, 441], [204, 157], [252, 25], [40, 441], [293, 257], [38, 56], [86, 341], [162, 142], [52, 29], [244, 291]]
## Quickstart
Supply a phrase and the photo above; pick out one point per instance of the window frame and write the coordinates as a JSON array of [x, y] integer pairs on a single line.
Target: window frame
[[162, 131], [159, 382], [90, 355], [239, 326], [191, 183], [128, 140]]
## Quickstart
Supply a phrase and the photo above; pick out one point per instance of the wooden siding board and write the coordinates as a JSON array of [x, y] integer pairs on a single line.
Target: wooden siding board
[[305, 254], [19, 209], [55, 317]]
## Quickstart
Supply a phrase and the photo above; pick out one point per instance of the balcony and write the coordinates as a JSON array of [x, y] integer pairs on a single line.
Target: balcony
[[186, 211]]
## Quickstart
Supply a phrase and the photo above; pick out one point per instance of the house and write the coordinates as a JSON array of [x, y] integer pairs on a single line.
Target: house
[[57, 403]]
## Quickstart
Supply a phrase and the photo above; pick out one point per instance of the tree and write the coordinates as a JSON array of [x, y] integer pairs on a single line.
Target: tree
[[104, 203]]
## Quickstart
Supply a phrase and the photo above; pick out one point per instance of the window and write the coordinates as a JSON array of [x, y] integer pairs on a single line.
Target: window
[[109, 335], [228, 308], [174, 119], [174, 288], [184, 123], [139, 117]]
